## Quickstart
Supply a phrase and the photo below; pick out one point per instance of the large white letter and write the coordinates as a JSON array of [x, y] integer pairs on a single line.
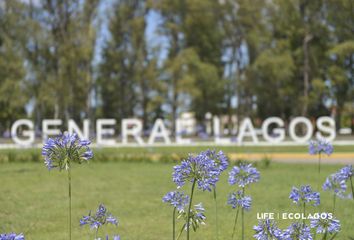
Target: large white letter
[[104, 131], [47, 131], [279, 131], [179, 131], [135, 130], [72, 127], [247, 130], [26, 133], [159, 130], [217, 134], [329, 128], [292, 129]]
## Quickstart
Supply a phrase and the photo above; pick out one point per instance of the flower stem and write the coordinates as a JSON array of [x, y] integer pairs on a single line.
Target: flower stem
[[351, 184], [242, 216], [174, 224], [69, 182], [319, 172], [233, 232], [216, 215], [303, 220], [243, 224], [334, 202], [325, 236], [189, 207], [319, 163], [180, 233]]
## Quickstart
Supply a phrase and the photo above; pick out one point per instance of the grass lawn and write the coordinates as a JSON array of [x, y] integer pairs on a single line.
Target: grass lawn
[[34, 201]]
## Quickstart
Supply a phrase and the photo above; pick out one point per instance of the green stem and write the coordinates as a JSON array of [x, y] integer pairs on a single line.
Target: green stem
[[334, 202], [233, 232], [319, 163], [319, 172], [216, 215], [243, 224], [189, 207], [303, 220], [242, 217], [174, 224], [351, 184], [69, 181], [325, 236], [180, 233]]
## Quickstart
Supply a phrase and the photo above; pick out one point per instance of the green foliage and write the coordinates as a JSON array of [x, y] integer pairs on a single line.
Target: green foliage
[[158, 58]]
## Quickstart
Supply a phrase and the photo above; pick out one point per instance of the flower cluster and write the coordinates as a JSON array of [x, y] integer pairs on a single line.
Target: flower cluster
[[11, 236], [176, 199], [200, 168], [304, 195], [345, 173], [101, 218], [196, 216], [296, 231], [237, 199], [327, 224], [67, 148], [320, 146], [219, 158], [243, 175], [336, 184], [267, 229]]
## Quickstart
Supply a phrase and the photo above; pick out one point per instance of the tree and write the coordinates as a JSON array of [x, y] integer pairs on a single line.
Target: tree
[[12, 72]]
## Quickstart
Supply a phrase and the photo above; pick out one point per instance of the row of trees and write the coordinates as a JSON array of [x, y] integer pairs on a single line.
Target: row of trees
[[250, 58]]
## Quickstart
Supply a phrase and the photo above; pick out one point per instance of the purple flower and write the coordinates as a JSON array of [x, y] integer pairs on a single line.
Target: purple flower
[[101, 217], [198, 168], [237, 199], [335, 184], [267, 230], [67, 148], [219, 158], [305, 195], [297, 231], [327, 224], [176, 199], [243, 175], [320, 146], [345, 173], [11, 236]]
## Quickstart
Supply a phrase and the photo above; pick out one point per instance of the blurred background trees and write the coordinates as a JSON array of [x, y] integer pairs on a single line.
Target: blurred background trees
[[155, 58]]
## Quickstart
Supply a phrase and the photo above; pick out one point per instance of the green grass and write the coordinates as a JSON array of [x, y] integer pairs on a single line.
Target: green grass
[[164, 154], [34, 201]]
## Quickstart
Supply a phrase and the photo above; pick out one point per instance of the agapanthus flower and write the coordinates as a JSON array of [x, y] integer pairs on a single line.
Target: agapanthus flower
[[12, 236], [198, 168], [196, 216], [297, 231], [335, 184], [326, 224], [243, 175], [101, 217], [176, 199], [305, 195], [67, 148], [267, 230], [237, 199], [220, 159], [320, 146], [345, 173]]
